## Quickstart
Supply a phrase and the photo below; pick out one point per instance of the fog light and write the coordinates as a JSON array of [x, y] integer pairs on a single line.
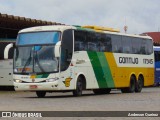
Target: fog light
[[18, 81]]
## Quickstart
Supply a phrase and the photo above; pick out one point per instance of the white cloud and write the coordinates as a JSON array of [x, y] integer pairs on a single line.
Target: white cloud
[[141, 15]]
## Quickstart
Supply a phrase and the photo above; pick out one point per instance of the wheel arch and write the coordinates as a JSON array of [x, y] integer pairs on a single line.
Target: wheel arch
[[84, 82]]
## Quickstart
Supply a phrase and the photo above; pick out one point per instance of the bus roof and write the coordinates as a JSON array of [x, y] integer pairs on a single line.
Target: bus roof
[[109, 31], [47, 28], [83, 28]]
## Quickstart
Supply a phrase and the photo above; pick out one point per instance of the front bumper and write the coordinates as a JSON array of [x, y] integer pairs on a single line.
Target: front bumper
[[48, 86]]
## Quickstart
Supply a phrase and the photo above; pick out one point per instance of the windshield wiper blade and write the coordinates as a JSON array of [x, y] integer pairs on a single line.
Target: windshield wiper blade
[[37, 61], [27, 63]]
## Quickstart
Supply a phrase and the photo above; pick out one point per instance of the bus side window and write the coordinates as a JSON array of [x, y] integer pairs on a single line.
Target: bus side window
[[136, 45], [92, 41], [66, 49], [102, 46], [108, 43], [116, 43], [142, 48], [80, 41], [77, 46], [149, 49], [126, 43]]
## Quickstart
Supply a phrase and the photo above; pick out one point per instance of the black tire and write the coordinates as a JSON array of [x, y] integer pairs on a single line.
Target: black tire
[[102, 91], [124, 90], [131, 87], [41, 94], [79, 88], [139, 84]]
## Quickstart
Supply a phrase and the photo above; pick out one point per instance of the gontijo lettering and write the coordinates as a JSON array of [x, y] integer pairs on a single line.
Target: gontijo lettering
[[128, 60]]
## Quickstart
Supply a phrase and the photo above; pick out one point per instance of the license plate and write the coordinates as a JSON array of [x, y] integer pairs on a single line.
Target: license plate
[[33, 86]]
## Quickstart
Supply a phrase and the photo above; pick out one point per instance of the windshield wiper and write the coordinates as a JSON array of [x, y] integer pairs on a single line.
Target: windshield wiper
[[27, 63], [37, 61]]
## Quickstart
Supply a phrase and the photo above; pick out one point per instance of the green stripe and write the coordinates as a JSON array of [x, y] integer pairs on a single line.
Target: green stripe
[[42, 76], [106, 70], [85, 29], [101, 69], [97, 69]]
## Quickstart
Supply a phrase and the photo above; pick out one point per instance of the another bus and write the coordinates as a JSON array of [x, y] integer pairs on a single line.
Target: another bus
[[74, 58], [6, 66], [157, 65]]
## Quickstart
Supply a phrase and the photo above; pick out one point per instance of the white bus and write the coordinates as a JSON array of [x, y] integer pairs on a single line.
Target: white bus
[[72, 58], [6, 66]]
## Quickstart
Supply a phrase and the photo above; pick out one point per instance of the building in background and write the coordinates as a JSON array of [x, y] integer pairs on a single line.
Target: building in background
[[155, 36]]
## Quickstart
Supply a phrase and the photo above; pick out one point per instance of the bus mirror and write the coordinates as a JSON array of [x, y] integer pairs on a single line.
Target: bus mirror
[[57, 49], [6, 50]]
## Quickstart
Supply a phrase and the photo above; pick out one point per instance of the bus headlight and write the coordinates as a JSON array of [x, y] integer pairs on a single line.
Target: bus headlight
[[18, 81], [52, 79]]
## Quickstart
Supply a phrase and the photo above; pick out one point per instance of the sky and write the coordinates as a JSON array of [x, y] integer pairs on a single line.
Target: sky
[[138, 15]]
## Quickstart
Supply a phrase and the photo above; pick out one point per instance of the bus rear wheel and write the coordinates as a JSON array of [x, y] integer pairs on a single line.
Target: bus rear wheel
[[102, 91], [79, 88], [139, 84], [131, 87], [41, 94]]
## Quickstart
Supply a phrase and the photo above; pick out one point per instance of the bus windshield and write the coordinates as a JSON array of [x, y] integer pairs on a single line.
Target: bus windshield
[[35, 52], [35, 59]]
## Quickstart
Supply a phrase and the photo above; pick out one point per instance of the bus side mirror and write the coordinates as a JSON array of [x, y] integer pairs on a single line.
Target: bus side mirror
[[57, 49], [6, 50]]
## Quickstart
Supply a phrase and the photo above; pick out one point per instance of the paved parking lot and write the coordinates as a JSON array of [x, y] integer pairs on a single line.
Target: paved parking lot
[[147, 100]]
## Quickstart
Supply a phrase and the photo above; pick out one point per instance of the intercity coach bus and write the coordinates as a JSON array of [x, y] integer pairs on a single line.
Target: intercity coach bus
[[77, 58]]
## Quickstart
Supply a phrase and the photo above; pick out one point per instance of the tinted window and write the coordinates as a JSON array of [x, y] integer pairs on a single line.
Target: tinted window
[[143, 46], [80, 41], [136, 44], [149, 49], [66, 49], [108, 43], [102, 42], [93, 41], [116, 43], [126, 44]]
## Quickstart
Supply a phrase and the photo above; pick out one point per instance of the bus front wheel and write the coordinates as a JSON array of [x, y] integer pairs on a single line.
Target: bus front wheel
[[79, 88], [41, 94]]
